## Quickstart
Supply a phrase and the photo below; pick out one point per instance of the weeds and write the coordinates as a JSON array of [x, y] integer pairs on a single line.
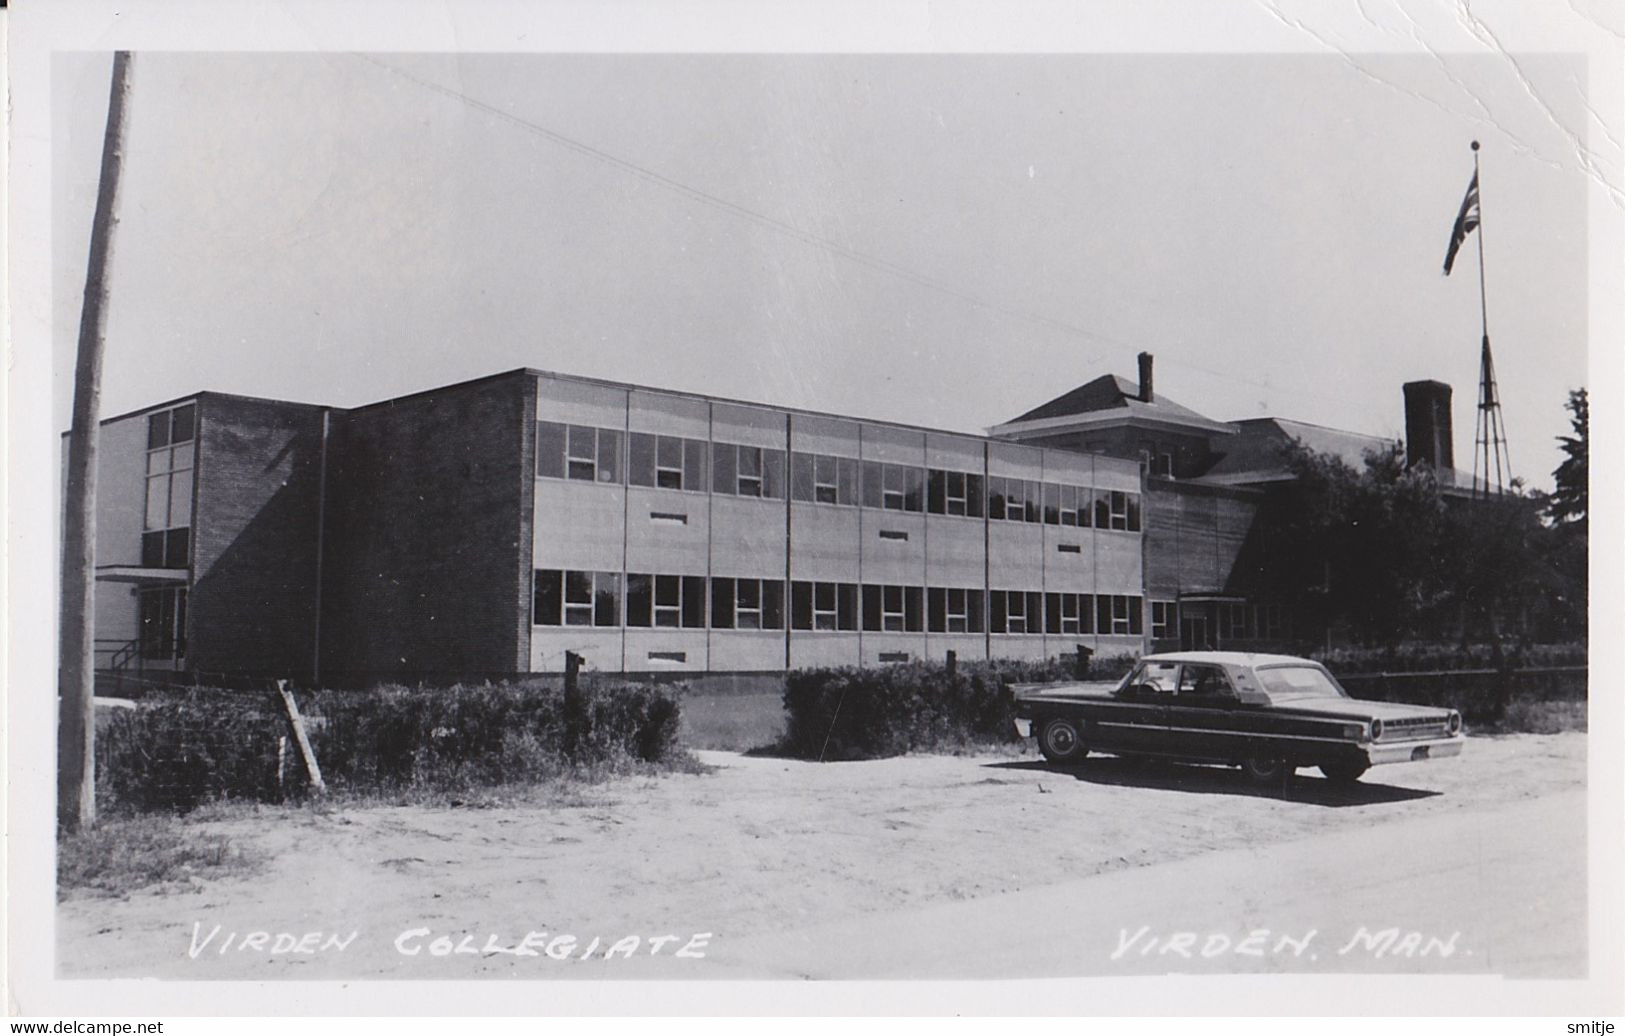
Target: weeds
[[121, 855]]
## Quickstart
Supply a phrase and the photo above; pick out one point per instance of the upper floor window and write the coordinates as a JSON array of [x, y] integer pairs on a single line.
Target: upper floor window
[[747, 471], [1117, 510], [823, 606], [666, 461], [579, 452], [953, 610], [823, 479], [954, 492]]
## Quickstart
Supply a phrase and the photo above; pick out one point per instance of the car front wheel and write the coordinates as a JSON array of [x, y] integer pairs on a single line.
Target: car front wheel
[[1061, 741], [1347, 773], [1265, 770]]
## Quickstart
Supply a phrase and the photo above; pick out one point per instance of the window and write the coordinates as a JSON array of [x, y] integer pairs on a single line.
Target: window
[[1015, 500], [1052, 504], [820, 478], [1117, 510], [1016, 611], [953, 610], [957, 493], [1203, 681], [669, 602], [747, 471], [747, 604], [1066, 614], [163, 623], [1162, 619], [824, 606], [167, 520], [1236, 622], [1118, 615], [893, 609], [665, 461], [564, 598], [1269, 621], [1068, 505], [579, 452]]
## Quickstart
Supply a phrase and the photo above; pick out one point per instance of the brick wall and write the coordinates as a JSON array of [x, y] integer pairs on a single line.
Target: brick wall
[[1195, 536], [427, 566], [251, 611]]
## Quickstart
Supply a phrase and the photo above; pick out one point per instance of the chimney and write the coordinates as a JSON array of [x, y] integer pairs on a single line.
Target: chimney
[[1428, 434], [1145, 378]]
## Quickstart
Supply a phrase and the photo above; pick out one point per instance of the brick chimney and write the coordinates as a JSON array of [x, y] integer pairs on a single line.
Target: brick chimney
[[1428, 434], [1145, 378]]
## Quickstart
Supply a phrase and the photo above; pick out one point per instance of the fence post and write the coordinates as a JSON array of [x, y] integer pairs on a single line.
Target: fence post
[[1080, 667], [297, 725], [953, 664], [572, 703]]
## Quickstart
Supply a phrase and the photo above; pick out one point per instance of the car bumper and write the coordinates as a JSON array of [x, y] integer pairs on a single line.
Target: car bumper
[[1024, 728], [1413, 751]]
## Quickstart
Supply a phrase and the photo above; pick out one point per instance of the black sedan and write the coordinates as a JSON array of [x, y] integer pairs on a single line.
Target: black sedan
[[1268, 714]]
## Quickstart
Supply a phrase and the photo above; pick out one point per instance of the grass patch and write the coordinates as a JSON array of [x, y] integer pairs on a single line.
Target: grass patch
[[119, 856], [733, 722]]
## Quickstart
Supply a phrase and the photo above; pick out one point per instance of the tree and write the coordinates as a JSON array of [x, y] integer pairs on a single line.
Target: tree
[[1569, 501]]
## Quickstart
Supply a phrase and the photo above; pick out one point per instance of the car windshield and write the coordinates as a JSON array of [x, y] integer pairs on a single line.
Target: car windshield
[[1284, 683]]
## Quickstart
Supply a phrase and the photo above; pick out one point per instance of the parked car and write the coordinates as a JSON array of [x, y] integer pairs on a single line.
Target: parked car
[[1268, 714]]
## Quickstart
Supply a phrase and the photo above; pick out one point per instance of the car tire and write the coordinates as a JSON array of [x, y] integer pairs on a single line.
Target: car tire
[[1061, 741], [1344, 773], [1261, 769]]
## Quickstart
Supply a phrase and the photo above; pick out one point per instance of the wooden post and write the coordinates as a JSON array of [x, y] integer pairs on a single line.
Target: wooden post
[[953, 664], [76, 673], [296, 724], [573, 719], [1080, 667]]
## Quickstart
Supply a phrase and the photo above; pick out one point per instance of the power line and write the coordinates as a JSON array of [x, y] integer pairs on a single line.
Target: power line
[[797, 233]]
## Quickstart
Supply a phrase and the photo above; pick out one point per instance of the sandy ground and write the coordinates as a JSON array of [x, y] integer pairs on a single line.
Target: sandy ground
[[929, 865]]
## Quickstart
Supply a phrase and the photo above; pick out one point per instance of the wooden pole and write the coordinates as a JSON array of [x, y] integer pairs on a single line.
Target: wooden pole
[[296, 724], [76, 673]]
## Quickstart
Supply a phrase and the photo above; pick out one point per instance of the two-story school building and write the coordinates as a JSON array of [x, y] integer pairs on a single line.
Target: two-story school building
[[485, 529]]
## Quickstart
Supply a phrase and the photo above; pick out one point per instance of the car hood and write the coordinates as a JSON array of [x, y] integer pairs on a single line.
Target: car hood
[[1356, 708]]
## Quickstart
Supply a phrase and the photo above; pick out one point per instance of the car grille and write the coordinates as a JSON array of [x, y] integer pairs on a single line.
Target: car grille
[[1414, 728]]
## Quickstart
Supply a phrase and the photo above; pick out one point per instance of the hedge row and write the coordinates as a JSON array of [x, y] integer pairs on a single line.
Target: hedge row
[[179, 749], [1411, 658], [850, 713]]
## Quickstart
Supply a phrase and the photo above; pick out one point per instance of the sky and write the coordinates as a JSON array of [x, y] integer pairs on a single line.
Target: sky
[[944, 240]]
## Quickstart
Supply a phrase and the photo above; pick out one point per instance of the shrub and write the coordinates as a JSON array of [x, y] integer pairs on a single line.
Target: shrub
[[869, 713], [177, 750], [1422, 657]]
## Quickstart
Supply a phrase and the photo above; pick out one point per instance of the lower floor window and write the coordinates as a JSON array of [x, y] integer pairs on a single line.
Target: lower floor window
[[1119, 615], [823, 606], [1015, 611], [747, 604], [954, 610], [1162, 619], [567, 598], [893, 609]]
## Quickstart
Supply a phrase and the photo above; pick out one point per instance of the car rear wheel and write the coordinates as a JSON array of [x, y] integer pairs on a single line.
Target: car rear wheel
[[1345, 773], [1264, 770], [1061, 741]]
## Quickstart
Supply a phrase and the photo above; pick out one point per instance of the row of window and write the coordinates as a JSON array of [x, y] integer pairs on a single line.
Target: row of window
[[589, 454], [571, 598]]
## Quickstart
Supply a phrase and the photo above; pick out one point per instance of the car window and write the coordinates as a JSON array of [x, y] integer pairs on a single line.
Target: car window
[[1294, 682], [1203, 681], [1153, 678]]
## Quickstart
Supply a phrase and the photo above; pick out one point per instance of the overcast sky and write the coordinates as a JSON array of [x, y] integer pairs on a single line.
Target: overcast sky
[[942, 240]]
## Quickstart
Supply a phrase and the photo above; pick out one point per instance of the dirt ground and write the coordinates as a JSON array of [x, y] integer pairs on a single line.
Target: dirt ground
[[761, 848]]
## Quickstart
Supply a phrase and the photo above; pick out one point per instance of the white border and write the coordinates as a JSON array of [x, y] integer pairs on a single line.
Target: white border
[[38, 28]]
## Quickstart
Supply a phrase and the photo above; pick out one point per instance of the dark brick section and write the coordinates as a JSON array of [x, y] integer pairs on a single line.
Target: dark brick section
[[427, 538], [251, 611], [1195, 538]]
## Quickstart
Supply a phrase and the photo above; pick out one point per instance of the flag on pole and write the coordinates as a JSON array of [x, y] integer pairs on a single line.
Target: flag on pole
[[1466, 223]]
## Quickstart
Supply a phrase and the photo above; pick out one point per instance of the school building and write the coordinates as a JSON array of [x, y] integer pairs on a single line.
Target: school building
[[484, 529]]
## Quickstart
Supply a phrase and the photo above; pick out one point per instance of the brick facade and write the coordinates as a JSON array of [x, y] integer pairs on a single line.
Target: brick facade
[[427, 573], [251, 608]]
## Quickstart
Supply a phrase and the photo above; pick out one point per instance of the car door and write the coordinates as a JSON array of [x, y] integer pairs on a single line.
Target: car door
[[1136, 719], [1204, 715]]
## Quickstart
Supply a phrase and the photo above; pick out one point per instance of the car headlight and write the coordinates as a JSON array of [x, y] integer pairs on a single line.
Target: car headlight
[[1455, 722], [1354, 731], [1376, 730]]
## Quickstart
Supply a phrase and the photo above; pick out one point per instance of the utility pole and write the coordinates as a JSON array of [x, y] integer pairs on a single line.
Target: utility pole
[[76, 674]]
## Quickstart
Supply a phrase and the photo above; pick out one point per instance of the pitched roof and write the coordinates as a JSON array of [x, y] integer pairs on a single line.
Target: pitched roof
[[1110, 396]]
